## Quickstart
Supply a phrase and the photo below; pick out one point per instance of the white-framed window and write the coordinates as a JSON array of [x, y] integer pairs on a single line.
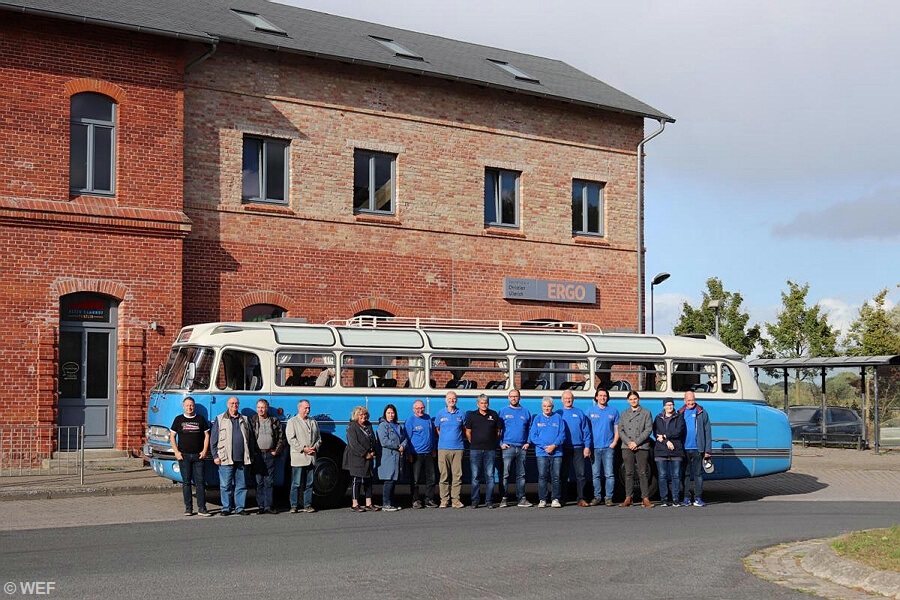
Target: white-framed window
[[501, 197], [373, 182], [587, 207], [265, 170], [92, 144]]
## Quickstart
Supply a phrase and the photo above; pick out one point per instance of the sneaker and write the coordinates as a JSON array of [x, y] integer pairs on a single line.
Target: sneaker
[[309, 509], [294, 510], [458, 504], [608, 502], [389, 508], [492, 505], [686, 502], [556, 504], [474, 505], [542, 504], [188, 513], [225, 513], [524, 503], [504, 502], [272, 511], [666, 504], [242, 513], [444, 504], [430, 503], [596, 502], [417, 504], [699, 502]]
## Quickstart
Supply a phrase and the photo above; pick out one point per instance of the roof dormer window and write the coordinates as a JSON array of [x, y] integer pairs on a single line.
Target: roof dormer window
[[514, 71], [396, 48], [259, 23]]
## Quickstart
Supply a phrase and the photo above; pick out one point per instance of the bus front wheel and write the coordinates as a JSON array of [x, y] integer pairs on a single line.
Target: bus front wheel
[[330, 481]]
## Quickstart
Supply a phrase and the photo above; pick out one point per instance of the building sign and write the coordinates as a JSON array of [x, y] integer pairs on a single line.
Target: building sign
[[549, 291], [84, 307]]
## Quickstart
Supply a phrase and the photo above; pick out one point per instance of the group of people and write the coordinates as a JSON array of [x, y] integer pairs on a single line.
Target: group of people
[[563, 440]]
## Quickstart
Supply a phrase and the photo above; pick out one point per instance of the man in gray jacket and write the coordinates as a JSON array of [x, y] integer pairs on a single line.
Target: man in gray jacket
[[635, 429], [232, 440], [304, 439]]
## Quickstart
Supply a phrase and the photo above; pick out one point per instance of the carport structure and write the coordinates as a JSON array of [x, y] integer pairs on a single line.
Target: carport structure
[[834, 362]]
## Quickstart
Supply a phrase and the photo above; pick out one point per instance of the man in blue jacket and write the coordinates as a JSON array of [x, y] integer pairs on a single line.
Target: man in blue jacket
[[697, 447], [577, 445], [514, 445], [420, 431], [547, 434]]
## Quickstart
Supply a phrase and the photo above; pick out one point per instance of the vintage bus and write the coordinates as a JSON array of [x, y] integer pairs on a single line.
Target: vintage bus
[[375, 361]]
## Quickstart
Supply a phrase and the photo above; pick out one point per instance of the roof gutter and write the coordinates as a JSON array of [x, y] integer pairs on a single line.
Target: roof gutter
[[640, 225], [212, 50]]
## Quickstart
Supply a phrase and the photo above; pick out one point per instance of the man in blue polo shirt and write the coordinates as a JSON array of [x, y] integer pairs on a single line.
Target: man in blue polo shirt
[[420, 431], [697, 448], [605, 433], [449, 424], [577, 445], [514, 445]]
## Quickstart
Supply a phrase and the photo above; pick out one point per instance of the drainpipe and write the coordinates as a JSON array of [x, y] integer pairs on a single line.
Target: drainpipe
[[212, 50], [640, 224]]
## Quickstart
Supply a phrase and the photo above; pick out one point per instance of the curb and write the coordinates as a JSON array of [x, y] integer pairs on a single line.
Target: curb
[[822, 561], [83, 492]]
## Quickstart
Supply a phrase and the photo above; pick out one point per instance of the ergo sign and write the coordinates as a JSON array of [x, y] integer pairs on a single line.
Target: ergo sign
[[549, 291]]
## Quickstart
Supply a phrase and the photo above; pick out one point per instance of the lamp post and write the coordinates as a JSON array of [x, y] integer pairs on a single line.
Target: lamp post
[[715, 304], [660, 277]]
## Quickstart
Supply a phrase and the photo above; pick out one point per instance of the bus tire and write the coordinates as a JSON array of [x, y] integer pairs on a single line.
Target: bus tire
[[330, 480]]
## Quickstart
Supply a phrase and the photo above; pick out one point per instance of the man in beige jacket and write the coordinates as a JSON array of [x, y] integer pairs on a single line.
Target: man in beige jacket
[[304, 439]]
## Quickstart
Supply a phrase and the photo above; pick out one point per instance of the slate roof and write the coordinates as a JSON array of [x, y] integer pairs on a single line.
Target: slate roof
[[348, 40]]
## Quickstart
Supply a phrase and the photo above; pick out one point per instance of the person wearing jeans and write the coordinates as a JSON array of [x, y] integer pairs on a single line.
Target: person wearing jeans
[[232, 439], [190, 440], [514, 446], [483, 428], [577, 445], [269, 442], [605, 435], [668, 432], [547, 434], [304, 439], [697, 448]]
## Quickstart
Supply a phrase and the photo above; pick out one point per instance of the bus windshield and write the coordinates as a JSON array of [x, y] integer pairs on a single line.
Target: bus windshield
[[188, 368]]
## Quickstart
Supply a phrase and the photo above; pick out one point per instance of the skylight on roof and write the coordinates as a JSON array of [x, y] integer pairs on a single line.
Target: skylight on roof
[[259, 23], [514, 71], [396, 48]]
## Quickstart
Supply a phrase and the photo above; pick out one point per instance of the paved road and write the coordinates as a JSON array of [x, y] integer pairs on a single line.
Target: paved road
[[506, 553]]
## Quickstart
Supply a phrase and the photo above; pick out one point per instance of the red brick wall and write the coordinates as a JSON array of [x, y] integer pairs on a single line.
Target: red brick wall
[[127, 246], [435, 257]]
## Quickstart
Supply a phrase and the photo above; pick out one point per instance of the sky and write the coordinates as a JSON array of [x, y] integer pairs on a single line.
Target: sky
[[784, 160]]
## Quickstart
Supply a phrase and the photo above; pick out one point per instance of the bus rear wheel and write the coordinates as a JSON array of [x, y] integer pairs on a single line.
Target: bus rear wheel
[[330, 481]]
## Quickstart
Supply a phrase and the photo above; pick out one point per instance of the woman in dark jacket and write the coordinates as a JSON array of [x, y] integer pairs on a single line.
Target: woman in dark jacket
[[668, 431], [359, 456]]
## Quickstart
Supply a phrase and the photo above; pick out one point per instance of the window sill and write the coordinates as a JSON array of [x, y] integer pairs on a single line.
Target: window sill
[[377, 219], [504, 232], [94, 198], [273, 209], [587, 240]]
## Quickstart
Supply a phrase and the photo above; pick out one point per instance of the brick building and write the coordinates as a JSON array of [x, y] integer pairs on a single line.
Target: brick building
[[166, 163]]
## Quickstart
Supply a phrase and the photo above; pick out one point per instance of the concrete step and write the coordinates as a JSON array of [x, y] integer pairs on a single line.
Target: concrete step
[[94, 460], [94, 453]]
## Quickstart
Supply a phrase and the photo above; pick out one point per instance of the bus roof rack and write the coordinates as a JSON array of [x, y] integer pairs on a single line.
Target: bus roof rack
[[372, 322]]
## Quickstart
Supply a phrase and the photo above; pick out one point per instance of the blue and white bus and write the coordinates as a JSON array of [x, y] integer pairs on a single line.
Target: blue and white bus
[[375, 361]]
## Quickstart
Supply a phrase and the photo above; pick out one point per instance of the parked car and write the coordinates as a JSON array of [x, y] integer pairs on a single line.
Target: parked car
[[841, 424], [890, 432]]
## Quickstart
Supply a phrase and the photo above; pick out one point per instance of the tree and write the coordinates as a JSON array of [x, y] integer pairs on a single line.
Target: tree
[[733, 330], [799, 331]]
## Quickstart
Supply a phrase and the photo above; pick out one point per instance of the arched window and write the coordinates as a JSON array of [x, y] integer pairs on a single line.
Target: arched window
[[262, 312], [92, 144]]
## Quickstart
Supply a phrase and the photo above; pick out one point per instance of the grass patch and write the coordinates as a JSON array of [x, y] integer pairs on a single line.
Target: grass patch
[[878, 548]]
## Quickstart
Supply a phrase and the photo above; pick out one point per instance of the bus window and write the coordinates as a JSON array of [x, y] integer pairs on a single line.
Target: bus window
[[381, 370], [300, 369], [729, 381], [178, 372], [239, 371], [465, 372], [625, 375], [552, 374], [694, 376]]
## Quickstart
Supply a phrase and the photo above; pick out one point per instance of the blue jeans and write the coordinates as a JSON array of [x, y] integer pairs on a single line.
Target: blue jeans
[[669, 471], [548, 468], [573, 460], [233, 487], [603, 468], [482, 464], [264, 465], [514, 453], [693, 469], [191, 468], [302, 477], [387, 492]]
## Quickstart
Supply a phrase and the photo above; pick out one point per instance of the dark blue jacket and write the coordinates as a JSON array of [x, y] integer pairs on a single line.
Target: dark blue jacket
[[673, 430], [704, 433]]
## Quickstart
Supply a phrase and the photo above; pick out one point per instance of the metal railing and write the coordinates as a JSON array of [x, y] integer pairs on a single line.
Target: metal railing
[[34, 450]]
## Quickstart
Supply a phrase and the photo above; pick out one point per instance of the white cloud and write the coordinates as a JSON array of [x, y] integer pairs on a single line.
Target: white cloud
[[840, 314], [667, 311]]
